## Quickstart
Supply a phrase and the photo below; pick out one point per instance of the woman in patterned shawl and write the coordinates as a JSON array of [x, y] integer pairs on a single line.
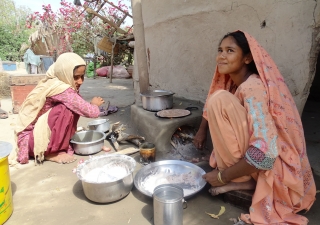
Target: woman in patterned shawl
[[257, 134], [49, 115]]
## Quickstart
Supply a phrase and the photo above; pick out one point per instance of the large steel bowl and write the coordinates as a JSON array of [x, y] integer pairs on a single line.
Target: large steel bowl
[[104, 192], [88, 142], [183, 174]]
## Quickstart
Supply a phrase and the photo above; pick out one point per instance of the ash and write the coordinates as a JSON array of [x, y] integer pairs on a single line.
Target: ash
[[183, 147]]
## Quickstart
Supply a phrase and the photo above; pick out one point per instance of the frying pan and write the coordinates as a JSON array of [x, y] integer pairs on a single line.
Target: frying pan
[[187, 112]]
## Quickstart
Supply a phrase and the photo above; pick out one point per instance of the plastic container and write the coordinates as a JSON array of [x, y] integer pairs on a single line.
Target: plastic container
[[6, 204], [9, 66], [168, 205]]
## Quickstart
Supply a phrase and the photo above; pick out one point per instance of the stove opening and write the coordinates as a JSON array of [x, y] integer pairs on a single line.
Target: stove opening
[[183, 147]]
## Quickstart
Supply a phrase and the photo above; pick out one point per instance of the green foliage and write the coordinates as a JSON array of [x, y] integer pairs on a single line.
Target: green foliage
[[12, 29], [10, 43], [90, 69], [81, 43]]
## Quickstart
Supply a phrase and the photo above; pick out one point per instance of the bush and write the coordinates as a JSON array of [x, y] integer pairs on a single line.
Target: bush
[[90, 69]]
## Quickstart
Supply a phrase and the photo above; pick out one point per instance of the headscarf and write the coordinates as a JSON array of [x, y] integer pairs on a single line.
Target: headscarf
[[59, 78]]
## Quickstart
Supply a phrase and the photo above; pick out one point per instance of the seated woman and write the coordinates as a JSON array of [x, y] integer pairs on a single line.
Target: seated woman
[[49, 115], [257, 134]]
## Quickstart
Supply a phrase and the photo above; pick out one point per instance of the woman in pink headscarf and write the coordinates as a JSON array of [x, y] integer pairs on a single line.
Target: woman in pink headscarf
[[257, 134], [49, 115]]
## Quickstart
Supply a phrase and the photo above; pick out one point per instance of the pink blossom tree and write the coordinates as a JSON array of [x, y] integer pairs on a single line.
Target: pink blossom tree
[[73, 26]]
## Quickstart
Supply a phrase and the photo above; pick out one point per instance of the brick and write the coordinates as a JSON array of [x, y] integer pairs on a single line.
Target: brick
[[19, 94], [20, 80], [21, 85]]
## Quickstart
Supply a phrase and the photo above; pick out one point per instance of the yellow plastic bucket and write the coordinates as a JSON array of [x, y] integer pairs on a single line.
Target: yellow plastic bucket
[[6, 205]]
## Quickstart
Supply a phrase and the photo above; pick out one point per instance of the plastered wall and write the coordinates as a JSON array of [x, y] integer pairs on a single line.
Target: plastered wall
[[182, 37]]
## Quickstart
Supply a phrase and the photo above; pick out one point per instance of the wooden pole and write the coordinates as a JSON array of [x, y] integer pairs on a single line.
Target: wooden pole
[[97, 11], [94, 66], [104, 19], [118, 24], [118, 8], [112, 55], [140, 47]]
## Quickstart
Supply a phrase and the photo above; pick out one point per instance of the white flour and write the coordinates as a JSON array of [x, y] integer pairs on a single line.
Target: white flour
[[105, 174], [187, 181]]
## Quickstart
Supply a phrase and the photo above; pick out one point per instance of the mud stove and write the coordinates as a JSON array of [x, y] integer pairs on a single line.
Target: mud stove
[[172, 136]]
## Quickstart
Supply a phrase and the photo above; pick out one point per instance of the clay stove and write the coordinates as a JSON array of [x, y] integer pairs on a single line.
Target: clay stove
[[161, 130]]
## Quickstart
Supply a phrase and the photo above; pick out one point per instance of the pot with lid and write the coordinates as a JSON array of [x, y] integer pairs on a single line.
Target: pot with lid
[[156, 100]]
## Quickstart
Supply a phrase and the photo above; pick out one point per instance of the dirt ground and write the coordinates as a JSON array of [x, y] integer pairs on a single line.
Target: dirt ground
[[52, 194]]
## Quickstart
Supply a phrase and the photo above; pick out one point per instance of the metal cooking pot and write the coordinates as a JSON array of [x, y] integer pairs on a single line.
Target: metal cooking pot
[[99, 125], [156, 100], [168, 205], [105, 192], [88, 142]]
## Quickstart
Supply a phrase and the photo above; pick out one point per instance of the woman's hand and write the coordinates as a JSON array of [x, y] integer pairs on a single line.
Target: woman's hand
[[200, 139], [98, 101], [212, 178], [201, 135]]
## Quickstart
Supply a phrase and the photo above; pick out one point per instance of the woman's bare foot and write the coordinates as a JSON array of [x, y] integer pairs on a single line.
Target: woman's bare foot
[[61, 158], [233, 186]]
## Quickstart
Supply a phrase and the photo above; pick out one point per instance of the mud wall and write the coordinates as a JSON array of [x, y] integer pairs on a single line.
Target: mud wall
[[182, 38]]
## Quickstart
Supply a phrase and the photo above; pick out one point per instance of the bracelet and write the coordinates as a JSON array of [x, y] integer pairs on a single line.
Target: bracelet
[[220, 179]]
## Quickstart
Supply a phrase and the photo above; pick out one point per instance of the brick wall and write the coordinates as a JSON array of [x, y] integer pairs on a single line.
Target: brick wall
[[19, 94], [21, 86]]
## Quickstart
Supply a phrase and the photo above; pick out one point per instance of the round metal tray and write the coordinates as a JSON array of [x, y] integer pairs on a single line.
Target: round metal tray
[[184, 174]]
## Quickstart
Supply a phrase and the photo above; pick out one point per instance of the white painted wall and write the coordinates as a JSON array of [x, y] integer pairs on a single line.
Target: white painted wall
[[182, 37]]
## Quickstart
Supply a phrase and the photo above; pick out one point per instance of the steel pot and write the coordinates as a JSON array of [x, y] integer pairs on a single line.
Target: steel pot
[[156, 100], [99, 125], [88, 142], [168, 205], [104, 192]]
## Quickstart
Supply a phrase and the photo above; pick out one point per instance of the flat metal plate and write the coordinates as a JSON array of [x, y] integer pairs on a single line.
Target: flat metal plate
[[183, 174]]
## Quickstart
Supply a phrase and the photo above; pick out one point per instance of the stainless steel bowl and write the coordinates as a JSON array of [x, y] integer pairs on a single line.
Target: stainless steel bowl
[[99, 125], [180, 173], [104, 192], [88, 142]]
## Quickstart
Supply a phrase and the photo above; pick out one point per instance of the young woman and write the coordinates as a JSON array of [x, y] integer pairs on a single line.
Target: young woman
[[257, 134], [49, 115]]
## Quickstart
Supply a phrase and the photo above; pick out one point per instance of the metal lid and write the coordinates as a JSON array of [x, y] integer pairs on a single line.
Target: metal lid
[[5, 149], [156, 93]]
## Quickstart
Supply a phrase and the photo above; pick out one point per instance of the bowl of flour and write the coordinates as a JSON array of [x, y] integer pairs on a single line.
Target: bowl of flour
[[107, 178]]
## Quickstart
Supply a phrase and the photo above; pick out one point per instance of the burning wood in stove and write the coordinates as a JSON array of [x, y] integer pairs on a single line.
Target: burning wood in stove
[[116, 136], [183, 147]]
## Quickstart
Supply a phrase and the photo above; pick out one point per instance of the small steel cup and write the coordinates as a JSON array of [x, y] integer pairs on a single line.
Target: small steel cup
[[147, 153]]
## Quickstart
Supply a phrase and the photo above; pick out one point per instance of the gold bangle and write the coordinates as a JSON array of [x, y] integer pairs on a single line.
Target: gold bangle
[[220, 179]]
